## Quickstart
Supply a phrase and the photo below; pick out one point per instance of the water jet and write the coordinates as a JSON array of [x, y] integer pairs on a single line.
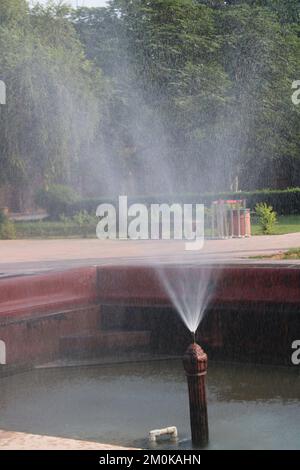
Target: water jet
[[194, 337], [195, 365]]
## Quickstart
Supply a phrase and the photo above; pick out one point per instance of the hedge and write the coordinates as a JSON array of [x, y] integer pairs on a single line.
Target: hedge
[[44, 229], [284, 202]]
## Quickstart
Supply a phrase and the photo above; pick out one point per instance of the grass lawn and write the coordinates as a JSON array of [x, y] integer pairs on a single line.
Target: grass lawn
[[60, 229], [293, 253], [53, 229], [286, 224]]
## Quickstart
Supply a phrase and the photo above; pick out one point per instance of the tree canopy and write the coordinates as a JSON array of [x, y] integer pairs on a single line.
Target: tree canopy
[[150, 96]]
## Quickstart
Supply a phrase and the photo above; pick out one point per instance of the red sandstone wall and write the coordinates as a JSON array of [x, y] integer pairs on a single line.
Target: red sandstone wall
[[36, 340], [35, 311], [27, 296]]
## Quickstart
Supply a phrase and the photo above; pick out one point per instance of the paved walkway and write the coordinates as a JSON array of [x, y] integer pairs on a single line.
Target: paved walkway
[[24, 256], [23, 441]]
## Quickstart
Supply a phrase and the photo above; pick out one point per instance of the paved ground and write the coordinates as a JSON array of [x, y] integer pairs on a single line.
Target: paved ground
[[26, 256], [22, 441]]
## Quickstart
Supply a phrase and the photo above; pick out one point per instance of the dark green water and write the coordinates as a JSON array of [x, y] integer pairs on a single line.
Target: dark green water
[[250, 407]]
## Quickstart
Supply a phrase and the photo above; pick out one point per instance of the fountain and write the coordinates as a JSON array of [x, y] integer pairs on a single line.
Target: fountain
[[191, 294]]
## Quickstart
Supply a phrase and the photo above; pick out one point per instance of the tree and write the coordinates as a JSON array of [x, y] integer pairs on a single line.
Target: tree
[[151, 96], [53, 104], [260, 57], [161, 58]]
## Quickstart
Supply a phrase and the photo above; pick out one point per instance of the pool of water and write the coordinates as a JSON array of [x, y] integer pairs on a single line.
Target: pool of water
[[250, 407]]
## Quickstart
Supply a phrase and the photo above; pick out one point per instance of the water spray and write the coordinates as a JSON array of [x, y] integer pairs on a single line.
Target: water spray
[[195, 365]]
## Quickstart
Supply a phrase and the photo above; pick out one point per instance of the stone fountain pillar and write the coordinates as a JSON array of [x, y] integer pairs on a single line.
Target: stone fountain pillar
[[195, 365]]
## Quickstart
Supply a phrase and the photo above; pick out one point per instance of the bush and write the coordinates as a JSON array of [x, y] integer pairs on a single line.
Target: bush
[[85, 222], [7, 228], [267, 218], [82, 221], [56, 200]]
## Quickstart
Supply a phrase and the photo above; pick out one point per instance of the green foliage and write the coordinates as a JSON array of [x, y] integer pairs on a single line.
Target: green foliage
[[54, 107], [196, 90], [215, 77], [293, 253], [7, 228], [56, 199], [267, 218], [3, 217], [13, 11], [84, 222], [66, 227], [284, 202]]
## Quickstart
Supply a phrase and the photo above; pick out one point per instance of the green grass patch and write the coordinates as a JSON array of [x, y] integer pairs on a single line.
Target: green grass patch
[[52, 229], [70, 229], [285, 224], [293, 253]]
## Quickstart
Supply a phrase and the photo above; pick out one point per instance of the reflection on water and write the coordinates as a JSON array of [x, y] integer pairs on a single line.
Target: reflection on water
[[253, 407]]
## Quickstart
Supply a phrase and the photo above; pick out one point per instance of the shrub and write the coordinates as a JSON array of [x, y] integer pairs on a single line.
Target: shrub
[[56, 200], [85, 222], [7, 228], [267, 218], [3, 217]]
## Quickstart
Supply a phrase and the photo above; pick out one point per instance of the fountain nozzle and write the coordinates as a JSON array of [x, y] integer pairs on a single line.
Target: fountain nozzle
[[195, 365], [194, 337]]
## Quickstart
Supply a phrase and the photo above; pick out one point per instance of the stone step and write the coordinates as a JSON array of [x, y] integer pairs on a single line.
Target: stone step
[[93, 343]]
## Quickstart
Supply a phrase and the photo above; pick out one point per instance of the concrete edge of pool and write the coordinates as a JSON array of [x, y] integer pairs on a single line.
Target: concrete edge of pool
[[11, 440]]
